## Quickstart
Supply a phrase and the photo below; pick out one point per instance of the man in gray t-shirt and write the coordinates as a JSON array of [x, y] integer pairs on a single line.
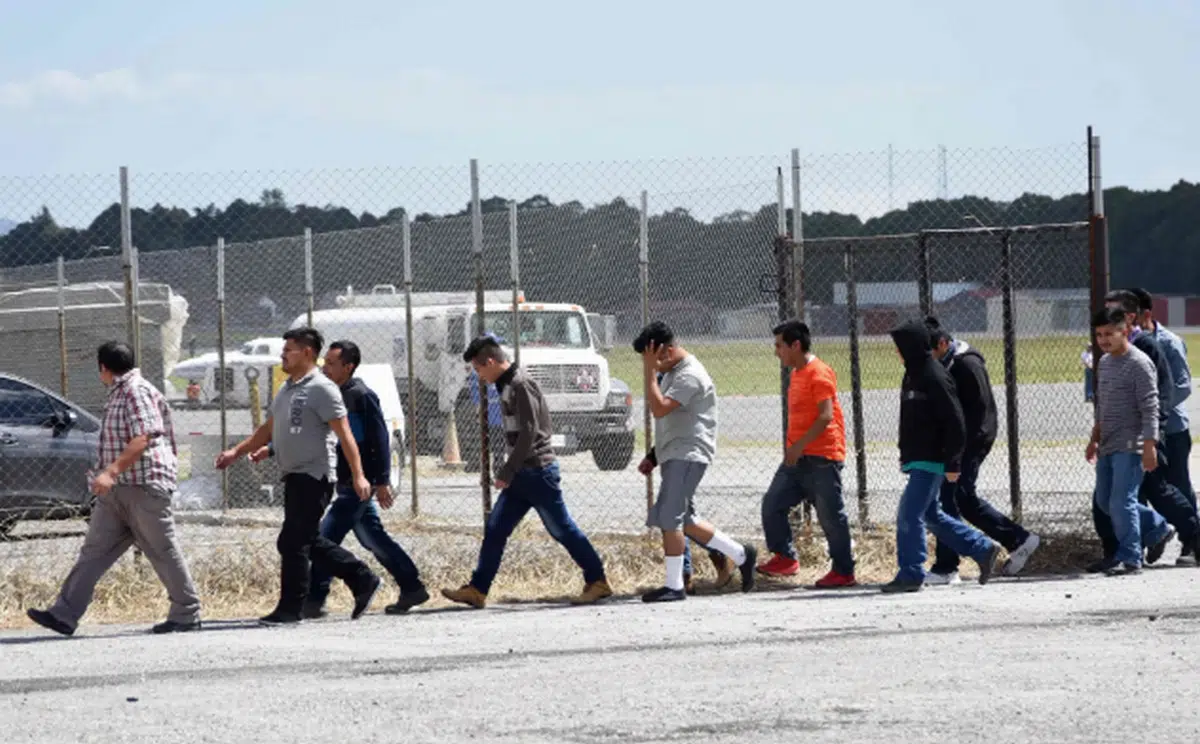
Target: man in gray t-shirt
[[684, 406], [305, 416]]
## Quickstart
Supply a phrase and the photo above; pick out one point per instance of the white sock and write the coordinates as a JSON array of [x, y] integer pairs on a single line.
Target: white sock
[[725, 544], [675, 572]]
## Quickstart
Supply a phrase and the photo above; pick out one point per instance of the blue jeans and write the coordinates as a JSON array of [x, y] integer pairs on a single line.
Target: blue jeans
[[1118, 478], [348, 513], [539, 489], [961, 500], [920, 508], [819, 481]]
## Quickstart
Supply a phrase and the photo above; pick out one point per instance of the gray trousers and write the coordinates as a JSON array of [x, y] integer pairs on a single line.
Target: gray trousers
[[126, 516]]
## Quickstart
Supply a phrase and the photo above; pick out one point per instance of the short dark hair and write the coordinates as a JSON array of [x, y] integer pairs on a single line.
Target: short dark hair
[[1108, 316], [794, 330], [116, 357], [1126, 299], [657, 333], [1144, 299], [937, 334], [309, 337], [483, 348], [350, 352]]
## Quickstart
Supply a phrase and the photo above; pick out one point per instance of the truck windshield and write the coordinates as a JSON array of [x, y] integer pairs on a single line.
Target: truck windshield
[[541, 328]]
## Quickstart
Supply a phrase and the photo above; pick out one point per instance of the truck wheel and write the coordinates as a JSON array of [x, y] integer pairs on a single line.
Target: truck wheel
[[614, 452]]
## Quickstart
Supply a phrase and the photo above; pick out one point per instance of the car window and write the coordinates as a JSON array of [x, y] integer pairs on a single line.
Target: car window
[[22, 404]]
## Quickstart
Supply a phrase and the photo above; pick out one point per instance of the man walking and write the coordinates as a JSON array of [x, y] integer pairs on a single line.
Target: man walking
[[684, 408], [932, 438], [1122, 445], [960, 500], [349, 512], [812, 466], [133, 483], [305, 415], [1154, 488], [1177, 435], [529, 479]]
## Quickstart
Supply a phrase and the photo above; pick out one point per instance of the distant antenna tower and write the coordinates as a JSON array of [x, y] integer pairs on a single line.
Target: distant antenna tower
[[943, 182], [891, 179]]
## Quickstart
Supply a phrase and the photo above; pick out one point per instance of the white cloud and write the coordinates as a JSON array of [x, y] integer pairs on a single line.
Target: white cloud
[[62, 86]]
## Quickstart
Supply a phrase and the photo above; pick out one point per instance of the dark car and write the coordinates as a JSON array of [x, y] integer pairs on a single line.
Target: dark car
[[47, 445]]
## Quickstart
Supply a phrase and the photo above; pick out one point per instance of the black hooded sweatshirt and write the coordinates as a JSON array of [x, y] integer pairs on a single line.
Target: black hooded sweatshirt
[[968, 369], [932, 428]]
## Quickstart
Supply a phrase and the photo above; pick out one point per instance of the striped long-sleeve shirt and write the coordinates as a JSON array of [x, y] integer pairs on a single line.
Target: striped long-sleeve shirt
[[1127, 412]]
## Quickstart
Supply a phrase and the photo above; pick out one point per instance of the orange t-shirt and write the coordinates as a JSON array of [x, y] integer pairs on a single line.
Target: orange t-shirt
[[810, 385]]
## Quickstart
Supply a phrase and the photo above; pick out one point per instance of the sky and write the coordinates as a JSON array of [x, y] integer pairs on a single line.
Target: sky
[[376, 104]]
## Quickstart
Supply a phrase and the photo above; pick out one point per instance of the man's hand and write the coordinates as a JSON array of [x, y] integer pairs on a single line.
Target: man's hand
[[260, 454], [646, 466], [226, 458], [1149, 457], [791, 456], [952, 477], [103, 483], [500, 485], [1092, 448], [650, 356], [362, 487], [384, 495]]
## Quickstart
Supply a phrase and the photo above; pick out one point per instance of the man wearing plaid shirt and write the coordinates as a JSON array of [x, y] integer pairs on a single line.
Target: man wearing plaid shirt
[[134, 481]]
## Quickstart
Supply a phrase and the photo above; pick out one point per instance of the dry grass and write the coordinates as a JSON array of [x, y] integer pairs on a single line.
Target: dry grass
[[238, 578]]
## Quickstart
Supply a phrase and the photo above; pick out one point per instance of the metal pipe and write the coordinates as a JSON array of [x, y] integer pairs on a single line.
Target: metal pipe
[[856, 394], [62, 329], [514, 271], [406, 241], [220, 375], [485, 470], [644, 269], [1010, 376]]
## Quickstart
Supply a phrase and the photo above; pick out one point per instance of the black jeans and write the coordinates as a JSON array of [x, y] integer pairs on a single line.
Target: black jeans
[[1179, 452], [1162, 496], [961, 501], [300, 542]]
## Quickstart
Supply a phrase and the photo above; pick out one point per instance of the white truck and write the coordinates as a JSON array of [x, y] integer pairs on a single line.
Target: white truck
[[592, 412]]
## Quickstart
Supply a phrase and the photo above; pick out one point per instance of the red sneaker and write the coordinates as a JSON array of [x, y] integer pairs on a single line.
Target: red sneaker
[[780, 565], [835, 580]]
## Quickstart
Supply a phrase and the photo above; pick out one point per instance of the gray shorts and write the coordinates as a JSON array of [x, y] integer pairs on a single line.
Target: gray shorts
[[675, 505]]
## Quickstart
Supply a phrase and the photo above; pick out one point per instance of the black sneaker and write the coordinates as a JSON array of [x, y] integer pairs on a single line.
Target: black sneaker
[[362, 600], [987, 564], [901, 586], [663, 594], [50, 622], [1104, 565], [1188, 555], [1155, 551], [747, 567], [1124, 569], [313, 610], [280, 618], [171, 626], [407, 601]]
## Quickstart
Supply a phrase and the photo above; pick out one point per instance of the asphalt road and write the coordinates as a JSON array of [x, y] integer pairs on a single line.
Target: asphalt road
[[1085, 660]]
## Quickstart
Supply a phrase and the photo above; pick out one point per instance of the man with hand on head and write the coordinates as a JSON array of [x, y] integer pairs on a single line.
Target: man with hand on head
[[306, 415], [684, 408]]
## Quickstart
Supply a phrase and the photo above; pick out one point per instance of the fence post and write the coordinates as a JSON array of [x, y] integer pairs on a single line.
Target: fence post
[[127, 258], [1097, 248], [406, 243], [782, 283], [485, 469], [62, 328], [514, 271], [137, 301], [856, 396], [644, 266], [798, 242], [924, 283], [1010, 375], [220, 374], [308, 274]]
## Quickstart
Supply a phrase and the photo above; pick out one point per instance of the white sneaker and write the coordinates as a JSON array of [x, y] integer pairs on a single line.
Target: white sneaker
[[1019, 557], [937, 579]]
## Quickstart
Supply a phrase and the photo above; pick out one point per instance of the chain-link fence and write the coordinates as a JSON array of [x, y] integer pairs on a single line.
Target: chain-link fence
[[993, 243]]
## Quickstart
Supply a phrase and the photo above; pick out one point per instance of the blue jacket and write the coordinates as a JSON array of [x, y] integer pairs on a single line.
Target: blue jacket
[[1175, 351], [371, 434]]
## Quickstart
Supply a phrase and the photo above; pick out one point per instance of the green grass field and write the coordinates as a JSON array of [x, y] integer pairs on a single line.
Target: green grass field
[[750, 368]]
